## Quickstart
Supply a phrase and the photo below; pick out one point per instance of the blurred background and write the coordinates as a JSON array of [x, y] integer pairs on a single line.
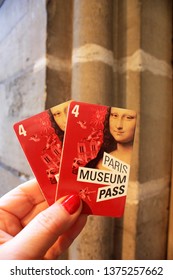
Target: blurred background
[[110, 52]]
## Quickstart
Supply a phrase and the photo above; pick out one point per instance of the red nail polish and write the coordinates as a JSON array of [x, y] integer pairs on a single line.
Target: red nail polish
[[71, 203]]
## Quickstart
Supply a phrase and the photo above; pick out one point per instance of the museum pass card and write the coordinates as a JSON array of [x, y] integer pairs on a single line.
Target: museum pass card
[[96, 156], [41, 137]]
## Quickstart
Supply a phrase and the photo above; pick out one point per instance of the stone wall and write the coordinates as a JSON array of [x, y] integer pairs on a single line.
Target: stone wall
[[22, 80]]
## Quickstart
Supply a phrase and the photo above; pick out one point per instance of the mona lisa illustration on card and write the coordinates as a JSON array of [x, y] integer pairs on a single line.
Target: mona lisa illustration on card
[[41, 137], [96, 157]]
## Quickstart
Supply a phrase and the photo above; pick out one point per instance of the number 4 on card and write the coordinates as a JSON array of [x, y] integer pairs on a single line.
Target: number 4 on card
[[22, 131], [75, 111]]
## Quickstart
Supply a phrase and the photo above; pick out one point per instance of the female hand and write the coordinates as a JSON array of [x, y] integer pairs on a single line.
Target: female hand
[[29, 229]]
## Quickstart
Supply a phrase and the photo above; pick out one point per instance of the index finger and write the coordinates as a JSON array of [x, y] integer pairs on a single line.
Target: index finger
[[21, 200]]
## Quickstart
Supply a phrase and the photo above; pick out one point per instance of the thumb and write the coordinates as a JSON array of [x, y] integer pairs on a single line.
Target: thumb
[[42, 232]]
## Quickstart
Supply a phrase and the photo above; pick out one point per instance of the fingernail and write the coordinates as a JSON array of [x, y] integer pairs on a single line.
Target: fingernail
[[71, 203]]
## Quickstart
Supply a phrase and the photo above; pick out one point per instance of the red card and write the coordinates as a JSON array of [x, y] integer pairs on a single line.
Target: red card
[[96, 157], [41, 137]]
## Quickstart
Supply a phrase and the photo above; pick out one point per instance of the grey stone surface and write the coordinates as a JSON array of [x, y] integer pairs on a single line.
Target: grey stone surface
[[22, 74], [10, 179]]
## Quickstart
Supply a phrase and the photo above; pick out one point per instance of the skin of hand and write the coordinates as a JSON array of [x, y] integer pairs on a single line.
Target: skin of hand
[[30, 229]]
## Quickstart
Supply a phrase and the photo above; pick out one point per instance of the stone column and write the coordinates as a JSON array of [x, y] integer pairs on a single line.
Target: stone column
[[145, 85], [59, 48], [92, 73], [92, 59]]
